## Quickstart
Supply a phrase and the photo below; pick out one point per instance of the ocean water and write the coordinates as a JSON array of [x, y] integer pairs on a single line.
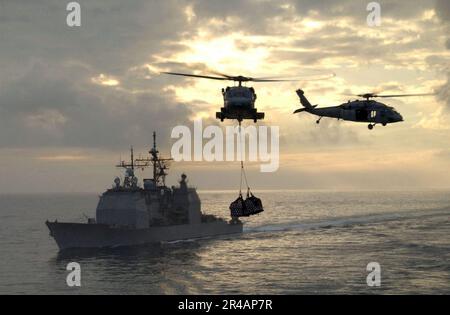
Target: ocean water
[[304, 243]]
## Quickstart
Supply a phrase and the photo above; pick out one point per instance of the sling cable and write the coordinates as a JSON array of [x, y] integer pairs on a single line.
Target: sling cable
[[251, 205]]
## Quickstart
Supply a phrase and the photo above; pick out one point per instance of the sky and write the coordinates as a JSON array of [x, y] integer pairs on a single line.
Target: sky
[[73, 99]]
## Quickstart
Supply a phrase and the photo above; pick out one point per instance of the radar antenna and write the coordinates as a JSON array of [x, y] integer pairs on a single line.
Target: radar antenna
[[159, 165], [130, 180], [130, 164]]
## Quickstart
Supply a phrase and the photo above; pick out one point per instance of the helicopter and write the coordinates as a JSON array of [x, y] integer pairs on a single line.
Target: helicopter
[[239, 101], [367, 111]]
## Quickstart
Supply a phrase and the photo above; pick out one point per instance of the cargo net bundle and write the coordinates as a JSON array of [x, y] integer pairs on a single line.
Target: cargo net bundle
[[251, 205]]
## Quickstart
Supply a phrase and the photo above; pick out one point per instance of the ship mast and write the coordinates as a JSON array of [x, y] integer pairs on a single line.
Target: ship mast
[[130, 164], [160, 165], [130, 181], [154, 154]]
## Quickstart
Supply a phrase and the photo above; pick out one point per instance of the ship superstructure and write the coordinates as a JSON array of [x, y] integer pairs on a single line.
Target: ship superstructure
[[128, 214]]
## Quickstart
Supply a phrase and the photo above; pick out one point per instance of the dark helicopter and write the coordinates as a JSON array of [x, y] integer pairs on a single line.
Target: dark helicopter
[[239, 101], [367, 111]]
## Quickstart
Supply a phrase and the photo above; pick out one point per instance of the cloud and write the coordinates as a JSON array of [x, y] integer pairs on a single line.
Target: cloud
[[250, 16], [443, 154], [55, 158], [444, 93], [98, 86], [113, 35], [87, 86], [443, 11], [358, 8], [46, 107], [328, 134]]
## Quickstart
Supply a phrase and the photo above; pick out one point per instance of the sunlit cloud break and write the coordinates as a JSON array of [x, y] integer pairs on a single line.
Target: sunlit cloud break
[[63, 157], [105, 80]]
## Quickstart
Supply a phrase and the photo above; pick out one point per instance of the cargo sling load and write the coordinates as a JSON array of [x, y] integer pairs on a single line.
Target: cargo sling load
[[128, 214], [251, 205]]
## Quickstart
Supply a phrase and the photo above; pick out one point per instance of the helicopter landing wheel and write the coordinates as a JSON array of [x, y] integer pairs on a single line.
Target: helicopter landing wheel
[[384, 124], [371, 127], [318, 120]]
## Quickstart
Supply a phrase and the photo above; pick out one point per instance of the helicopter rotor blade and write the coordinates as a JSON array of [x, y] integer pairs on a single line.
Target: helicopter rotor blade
[[223, 75], [404, 95], [306, 74], [272, 80], [196, 76], [250, 79], [293, 79]]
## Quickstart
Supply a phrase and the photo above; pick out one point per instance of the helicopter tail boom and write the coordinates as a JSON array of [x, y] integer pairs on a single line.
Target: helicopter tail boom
[[304, 100], [307, 107]]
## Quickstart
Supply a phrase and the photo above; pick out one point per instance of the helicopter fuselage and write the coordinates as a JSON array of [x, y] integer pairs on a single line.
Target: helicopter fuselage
[[239, 103], [367, 111], [239, 96]]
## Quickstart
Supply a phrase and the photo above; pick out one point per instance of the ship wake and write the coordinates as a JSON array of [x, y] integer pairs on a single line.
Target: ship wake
[[346, 222]]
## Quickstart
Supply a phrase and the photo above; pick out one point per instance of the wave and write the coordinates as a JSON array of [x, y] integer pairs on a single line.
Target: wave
[[345, 221], [189, 240]]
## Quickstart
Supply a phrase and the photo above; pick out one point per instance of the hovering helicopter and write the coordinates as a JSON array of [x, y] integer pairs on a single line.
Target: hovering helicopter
[[239, 101], [367, 111]]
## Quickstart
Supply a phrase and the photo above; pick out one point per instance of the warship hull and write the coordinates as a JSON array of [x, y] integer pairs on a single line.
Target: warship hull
[[82, 235]]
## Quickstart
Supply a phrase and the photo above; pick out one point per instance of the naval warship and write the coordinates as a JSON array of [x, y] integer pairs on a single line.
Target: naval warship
[[129, 215]]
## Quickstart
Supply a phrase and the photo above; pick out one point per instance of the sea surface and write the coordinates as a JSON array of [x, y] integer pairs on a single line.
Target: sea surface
[[306, 242]]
